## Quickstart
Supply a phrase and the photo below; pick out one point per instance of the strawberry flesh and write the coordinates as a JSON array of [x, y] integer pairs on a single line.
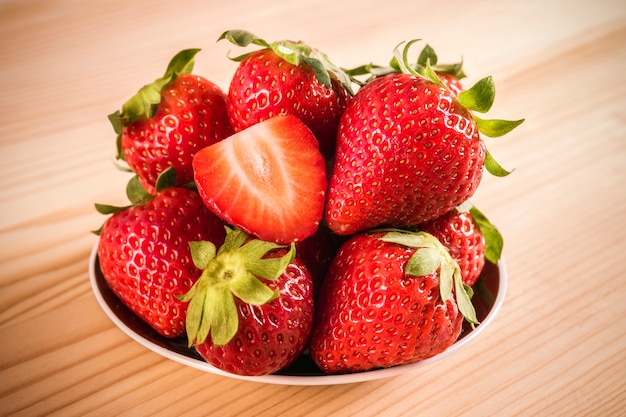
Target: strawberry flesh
[[268, 180]]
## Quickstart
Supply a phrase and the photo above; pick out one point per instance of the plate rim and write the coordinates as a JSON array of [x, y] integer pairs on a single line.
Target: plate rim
[[304, 380]]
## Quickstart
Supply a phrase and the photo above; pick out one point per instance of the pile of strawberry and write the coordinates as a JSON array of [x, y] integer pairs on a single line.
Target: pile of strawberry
[[308, 210]]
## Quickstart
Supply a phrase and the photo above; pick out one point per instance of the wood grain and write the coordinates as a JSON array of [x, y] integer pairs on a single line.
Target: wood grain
[[558, 346]]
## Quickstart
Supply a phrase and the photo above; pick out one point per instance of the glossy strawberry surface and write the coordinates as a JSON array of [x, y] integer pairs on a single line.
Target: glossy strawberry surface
[[265, 85], [461, 235], [407, 152], [145, 258], [190, 116], [372, 314]]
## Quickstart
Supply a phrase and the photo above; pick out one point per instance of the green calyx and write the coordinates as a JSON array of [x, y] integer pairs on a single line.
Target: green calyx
[[427, 66], [233, 270], [295, 53], [494, 242], [137, 195], [145, 102], [430, 256]]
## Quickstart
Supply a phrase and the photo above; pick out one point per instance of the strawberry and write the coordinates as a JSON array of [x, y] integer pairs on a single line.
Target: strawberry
[[467, 233], [251, 311], [145, 257], [268, 180], [287, 77], [317, 252], [409, 150], [388, 300], [168, 121]]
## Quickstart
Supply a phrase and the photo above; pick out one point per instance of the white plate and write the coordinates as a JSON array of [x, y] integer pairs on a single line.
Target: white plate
[[492, 284]]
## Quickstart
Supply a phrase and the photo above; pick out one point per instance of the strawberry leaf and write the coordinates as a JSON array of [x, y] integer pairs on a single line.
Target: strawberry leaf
[[320, 71], [136, 193], [195, 310], [242, 38], [424, 68], [455, 69], [270, 268], [480, 96], [493, 167], [425, 261], [249, 289], [494, 241], [115, 119], [222, 316], [448, 269], [463, 299], [145, 101], [202, 252], [410, 239], [496, 127], [431, 75], [427, 55], [235, 238], [108, 209], [166, 179]]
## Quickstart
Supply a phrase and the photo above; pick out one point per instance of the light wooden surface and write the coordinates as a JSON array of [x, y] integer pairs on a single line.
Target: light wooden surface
[[558, 346]]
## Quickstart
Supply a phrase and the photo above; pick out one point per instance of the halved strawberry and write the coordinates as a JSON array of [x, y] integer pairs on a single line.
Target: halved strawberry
[[268, 180]]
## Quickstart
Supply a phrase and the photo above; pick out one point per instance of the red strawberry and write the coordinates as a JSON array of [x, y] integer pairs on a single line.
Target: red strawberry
[[251, 312], [467, 234], [145, 258], [452, 83], [268, 180], [387, 300], [168, 121], [317, 252], [287, 78], [408, 151]]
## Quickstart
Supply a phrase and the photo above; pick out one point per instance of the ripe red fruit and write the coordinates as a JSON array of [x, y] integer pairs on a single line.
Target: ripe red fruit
[[409, 150], [387, 300], [251, 312], [470, 238], [461, 235], [145, 258], [452, 83], [286, 78], [268, 180], [317, 252], [168, 121]]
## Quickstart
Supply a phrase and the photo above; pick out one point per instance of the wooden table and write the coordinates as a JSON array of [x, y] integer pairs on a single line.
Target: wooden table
[[558, 345]]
